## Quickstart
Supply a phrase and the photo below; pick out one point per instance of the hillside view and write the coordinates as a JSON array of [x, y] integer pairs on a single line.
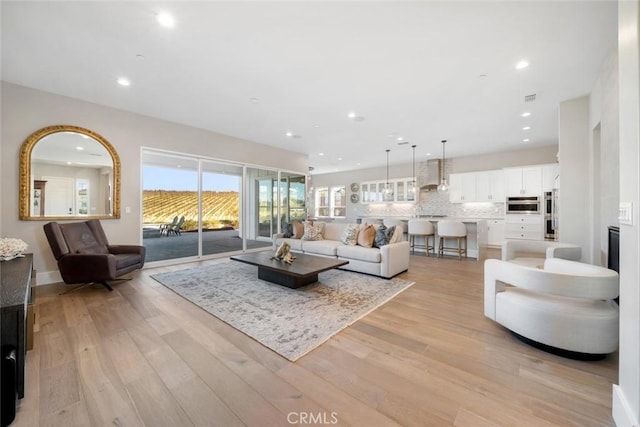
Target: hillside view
[[220, 208]]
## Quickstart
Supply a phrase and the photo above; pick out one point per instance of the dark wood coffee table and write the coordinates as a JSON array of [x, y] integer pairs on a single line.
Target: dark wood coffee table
[[303, 271]]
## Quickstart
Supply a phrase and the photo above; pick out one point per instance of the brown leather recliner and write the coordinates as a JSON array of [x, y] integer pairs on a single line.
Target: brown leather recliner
[[84, 254]]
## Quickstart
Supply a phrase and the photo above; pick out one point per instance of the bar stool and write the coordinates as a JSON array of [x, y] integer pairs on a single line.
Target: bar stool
[[452, 230], [421, 227]]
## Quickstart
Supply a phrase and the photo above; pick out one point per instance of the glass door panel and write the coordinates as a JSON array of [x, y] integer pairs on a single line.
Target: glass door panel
[[170, 211], [220, 216], [261, 204], [292, 198]]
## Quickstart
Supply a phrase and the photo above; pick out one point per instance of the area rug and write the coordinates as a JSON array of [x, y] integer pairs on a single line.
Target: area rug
[[291, 322]]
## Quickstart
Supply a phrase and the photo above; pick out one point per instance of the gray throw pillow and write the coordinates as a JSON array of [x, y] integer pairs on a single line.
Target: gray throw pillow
[[287, 230], [383, 235]]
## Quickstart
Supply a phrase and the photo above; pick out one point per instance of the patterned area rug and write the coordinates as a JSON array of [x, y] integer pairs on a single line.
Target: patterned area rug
[[291, 322]]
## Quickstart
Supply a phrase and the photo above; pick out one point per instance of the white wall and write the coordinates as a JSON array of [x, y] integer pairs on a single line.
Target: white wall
[[626, 396], [575, 174], [605, 160], [26, 110]]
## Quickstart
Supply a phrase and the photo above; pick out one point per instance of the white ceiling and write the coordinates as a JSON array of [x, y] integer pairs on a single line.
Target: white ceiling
[[409, 68]]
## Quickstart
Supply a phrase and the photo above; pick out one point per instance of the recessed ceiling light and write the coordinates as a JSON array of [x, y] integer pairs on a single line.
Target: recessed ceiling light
[[320, 154], [358, 164], [123, 81], [140, 57], [351, 115], [316, 125], [69, 163], [399, 138], [254, 100], [339, 158], [525, 114], [522, 65], [289, 134], [428, 154], [525, 140], [79, 148], [526, 128], [165, 19]]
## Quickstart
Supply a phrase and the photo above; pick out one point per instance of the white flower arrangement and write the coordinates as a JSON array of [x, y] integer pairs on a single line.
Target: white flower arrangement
[[11, 248]]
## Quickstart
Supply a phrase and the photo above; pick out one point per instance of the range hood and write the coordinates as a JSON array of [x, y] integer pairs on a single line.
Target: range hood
[[432, 177]]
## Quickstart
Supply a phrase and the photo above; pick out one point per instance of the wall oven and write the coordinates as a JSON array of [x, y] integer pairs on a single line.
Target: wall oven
[[551, 215], [523, 205]]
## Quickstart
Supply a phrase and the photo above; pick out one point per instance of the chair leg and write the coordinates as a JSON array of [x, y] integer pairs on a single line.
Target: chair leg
[[106, 285]]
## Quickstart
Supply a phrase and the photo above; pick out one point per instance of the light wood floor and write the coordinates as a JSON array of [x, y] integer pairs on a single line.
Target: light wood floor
[[141, 355]]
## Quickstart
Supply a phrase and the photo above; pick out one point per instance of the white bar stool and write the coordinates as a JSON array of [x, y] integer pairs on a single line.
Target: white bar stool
[[452, 230], [421, 227]]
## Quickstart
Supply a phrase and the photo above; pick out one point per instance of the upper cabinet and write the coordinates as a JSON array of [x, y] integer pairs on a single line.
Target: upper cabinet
[[403, 191], [525, 181], [485, 186], [490, 186]]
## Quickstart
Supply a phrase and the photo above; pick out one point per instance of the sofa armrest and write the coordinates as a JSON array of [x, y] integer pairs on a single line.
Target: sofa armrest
[[395, 259], [84, 268]]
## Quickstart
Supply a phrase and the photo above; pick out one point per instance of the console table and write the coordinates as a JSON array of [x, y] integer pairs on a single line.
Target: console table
[[17, 327]]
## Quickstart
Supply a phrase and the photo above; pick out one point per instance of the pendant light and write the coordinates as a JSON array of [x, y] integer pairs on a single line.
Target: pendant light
[[443, 187], [387, 193], [411, 191]]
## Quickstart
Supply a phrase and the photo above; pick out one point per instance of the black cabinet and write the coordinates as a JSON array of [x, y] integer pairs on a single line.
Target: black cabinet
[[15, 296]]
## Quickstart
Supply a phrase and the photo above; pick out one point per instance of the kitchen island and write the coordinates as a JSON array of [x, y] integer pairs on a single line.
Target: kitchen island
[[477, 232]]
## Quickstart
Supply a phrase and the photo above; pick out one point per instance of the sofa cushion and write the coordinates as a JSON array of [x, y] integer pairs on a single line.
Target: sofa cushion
[[312, 231], [334, 230], [366, 236], [350, 235], [360, 253], [321, 247]]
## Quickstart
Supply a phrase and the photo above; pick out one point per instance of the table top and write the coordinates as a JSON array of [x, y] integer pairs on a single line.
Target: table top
[[303, 265], [15, 275]]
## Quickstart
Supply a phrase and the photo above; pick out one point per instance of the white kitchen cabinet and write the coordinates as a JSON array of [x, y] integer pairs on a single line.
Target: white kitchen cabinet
[[463, 187], [525, 181], [372, 191], [523, 227], [495, 234], [490, 186], [549, 173]]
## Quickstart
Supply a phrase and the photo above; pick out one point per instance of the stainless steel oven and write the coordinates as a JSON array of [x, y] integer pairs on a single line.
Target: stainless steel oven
[[550, 215], [523, 205]]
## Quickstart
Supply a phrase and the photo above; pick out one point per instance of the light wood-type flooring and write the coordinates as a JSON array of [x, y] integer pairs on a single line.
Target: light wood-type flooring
[[142, 355]]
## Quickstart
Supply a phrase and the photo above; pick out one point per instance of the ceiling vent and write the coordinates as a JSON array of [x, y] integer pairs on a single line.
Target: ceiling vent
[[530, 98]]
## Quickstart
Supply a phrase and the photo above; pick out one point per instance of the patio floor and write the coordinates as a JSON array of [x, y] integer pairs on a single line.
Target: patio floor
[[186, 245]]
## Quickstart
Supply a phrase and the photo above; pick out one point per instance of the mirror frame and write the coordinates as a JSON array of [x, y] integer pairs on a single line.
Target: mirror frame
[[25, 173]]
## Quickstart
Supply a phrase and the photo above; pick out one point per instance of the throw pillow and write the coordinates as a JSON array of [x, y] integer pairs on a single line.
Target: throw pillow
[[312, 232], [350, 235], [298, 230], [383, 235], [287, 230], [366, 235], [398, 236]]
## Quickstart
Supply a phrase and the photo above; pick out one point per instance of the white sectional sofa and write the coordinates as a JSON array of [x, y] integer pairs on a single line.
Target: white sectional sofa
[[386, 261]]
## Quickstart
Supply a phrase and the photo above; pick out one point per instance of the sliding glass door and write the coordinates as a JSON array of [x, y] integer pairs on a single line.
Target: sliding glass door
[[196, 207]]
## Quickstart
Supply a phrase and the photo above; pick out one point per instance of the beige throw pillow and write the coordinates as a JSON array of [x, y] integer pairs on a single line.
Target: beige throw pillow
[[298, 230], [366, 236], [350, 235], [312, 232]]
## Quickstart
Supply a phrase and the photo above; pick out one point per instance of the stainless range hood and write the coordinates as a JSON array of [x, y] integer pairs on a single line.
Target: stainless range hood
[[432, 177]]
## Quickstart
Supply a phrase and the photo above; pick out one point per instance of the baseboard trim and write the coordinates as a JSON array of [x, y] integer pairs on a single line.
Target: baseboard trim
[[621, 410], [48, 277]]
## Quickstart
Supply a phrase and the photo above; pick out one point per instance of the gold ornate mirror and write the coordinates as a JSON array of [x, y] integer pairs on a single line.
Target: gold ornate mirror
[[68, 172]]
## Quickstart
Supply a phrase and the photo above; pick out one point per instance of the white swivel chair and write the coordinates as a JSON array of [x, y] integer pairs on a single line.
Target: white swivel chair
[[423, 228], [565, 308], [532, 253], [452, 230]]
